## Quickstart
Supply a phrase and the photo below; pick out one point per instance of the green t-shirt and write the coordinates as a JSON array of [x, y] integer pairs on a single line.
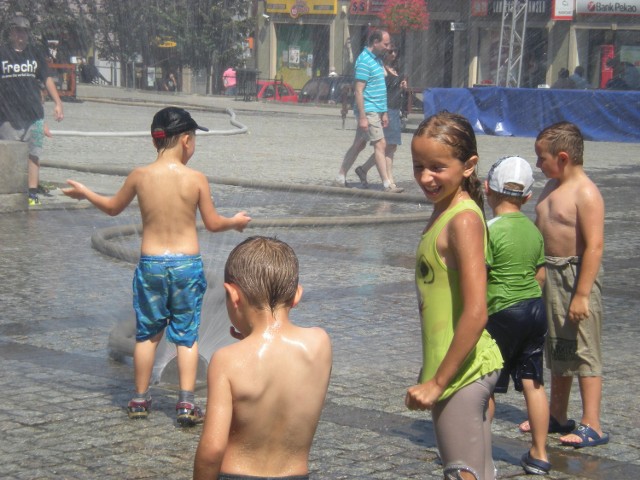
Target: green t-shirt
[[440, 303], [517, 250]]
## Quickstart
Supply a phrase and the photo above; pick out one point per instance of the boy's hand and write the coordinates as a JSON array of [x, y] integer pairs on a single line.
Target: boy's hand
[[423, 396], [57, 112], [579, 308], [241, 220], [76, 190]]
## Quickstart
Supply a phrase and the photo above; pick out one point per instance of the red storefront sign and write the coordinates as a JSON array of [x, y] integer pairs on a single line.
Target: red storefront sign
[[604, 7], [366, 7], [479, 8]]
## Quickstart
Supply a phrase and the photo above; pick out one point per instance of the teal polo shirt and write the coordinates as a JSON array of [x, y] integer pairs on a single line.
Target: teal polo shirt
[[369, 69]]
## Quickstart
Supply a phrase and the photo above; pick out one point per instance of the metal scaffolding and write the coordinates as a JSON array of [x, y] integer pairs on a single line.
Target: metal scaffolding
[[511, 49]]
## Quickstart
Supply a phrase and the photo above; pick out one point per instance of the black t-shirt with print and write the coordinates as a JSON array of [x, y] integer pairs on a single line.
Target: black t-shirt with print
[[22, 75]]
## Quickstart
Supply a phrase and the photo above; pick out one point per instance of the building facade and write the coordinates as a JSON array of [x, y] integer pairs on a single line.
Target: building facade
[[299, 39]]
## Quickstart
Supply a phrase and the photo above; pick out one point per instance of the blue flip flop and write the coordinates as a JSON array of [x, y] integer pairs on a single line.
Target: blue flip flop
[[533, 466], [589, 437]]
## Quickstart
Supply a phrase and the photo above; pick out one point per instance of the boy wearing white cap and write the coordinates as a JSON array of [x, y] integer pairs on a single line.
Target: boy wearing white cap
[[517, 318]]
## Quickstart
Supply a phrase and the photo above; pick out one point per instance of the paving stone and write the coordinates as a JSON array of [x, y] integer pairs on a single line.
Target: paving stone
[[62, 412]]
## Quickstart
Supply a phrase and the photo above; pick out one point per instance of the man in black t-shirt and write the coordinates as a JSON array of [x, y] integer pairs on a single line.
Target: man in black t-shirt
[[23, 69]]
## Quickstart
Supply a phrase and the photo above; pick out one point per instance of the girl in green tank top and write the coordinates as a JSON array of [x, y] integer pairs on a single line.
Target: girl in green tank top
[[451, 283]]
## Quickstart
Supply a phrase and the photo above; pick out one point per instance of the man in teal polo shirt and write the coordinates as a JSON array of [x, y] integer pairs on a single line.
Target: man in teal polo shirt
[[370, 109]]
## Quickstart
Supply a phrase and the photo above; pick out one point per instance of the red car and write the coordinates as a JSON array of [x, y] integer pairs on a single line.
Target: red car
[[276, 91]]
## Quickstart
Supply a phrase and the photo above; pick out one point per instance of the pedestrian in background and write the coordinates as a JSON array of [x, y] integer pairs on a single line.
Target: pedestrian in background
[[577, 77], [370, 94], [229, 81], [170, 84], [21, 106], [563, 80], [396, 91]]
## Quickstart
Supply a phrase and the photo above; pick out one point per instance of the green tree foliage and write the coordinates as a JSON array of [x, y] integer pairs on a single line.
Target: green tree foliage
[[207, 33], [71, 22]]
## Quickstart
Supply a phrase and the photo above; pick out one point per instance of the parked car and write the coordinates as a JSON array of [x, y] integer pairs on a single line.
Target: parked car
[[326, 89], [274, 90]]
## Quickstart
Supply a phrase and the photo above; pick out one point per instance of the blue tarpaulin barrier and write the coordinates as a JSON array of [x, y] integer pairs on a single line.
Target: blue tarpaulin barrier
[[601, 115]]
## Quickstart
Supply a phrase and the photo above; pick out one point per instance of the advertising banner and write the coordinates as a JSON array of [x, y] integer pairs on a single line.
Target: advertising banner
[[562, 10], [297, 8], [366, 7], [533, 6], [479, 8], [607, 7]]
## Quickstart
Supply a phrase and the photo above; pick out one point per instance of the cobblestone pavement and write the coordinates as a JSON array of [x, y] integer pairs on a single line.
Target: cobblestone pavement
[[62, 409]]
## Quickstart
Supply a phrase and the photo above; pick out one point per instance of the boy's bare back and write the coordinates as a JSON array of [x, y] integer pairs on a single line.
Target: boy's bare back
[[266, 392], [168, 195], [277, 380], [568, 212]]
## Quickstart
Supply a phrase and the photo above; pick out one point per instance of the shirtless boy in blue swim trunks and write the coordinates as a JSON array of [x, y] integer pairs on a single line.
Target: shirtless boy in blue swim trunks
[[169, 282]]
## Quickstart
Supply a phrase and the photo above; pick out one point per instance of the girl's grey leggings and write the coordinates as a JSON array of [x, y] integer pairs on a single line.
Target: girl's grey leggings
[[463, 429]]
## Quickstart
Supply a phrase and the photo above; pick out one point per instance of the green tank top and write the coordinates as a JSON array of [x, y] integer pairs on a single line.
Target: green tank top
[[440, 302]]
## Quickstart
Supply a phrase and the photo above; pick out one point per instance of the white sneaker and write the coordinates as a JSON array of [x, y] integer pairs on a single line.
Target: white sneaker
[[393, 189], [339, 181]]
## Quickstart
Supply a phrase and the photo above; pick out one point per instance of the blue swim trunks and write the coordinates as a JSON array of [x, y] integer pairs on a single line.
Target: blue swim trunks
[[167, 293]]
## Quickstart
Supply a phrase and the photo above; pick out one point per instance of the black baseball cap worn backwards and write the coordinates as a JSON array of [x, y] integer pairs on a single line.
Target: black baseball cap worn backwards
[[172, 121]]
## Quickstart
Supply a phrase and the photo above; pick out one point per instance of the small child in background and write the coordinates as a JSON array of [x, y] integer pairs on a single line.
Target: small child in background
[[169, 282], [461, 362], [266, 392], [517, 318], [570, 215]]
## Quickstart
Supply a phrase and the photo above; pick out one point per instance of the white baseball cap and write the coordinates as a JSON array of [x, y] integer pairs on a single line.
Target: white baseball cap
[[511, 170]]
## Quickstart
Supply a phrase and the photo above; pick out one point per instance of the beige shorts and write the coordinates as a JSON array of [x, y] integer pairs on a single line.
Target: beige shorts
[[375, 132], [571, 349]]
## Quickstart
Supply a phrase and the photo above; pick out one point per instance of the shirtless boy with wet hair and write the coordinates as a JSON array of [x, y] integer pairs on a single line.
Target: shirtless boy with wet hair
[[266, 392], [570, 216]]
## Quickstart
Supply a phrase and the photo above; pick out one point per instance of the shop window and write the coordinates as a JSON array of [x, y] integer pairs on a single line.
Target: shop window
[[534, 63]]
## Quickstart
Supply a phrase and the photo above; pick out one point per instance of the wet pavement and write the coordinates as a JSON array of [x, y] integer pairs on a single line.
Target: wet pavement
[[62, 411]]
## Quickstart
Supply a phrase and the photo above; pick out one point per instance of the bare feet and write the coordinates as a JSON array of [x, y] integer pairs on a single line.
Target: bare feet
[[585, 436], [554, 426]]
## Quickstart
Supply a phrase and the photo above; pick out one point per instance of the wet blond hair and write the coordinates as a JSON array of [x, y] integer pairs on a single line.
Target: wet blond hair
[[564, 137], [265, 270]]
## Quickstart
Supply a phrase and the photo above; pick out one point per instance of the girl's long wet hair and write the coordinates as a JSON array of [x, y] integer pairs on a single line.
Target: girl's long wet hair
[[455, 131]]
